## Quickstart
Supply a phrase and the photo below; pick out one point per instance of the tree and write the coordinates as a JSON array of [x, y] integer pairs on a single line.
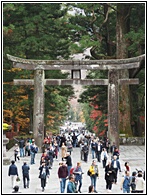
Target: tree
[[122, 29], [34, 31], [49, 31], [94, 27]]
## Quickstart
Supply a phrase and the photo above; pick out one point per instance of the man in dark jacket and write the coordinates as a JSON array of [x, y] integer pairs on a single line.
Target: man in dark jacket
[[13, 173], [74, 139], [62, 174], [98, 150], [85, 150], [109, 175], [68, 162], [25, 172], [44, 172], [22, 145]]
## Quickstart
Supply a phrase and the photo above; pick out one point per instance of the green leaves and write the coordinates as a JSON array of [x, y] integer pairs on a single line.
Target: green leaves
[[35, 31], [137, 41]]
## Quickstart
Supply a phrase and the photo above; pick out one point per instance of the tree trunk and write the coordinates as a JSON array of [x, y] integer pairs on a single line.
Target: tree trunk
[[122, 27]]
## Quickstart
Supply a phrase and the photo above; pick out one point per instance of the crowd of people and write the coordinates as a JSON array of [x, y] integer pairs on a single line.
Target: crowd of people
[[59, 148]]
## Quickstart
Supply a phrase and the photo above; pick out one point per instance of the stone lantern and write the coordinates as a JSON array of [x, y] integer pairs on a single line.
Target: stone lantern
[[6, 127]]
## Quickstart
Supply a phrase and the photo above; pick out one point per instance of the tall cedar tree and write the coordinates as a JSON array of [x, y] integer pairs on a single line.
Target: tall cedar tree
[[95, 27], [34, 31]]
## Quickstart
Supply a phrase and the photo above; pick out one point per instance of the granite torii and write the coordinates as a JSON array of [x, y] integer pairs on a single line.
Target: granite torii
[[40, 66]]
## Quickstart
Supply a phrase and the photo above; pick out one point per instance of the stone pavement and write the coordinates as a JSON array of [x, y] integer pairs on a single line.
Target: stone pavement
[[135, 155]]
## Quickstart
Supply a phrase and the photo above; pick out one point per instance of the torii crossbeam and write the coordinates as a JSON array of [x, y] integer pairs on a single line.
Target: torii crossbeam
[[112, 65]]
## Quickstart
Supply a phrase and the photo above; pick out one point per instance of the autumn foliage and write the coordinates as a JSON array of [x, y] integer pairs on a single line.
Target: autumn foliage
[[100, 120]]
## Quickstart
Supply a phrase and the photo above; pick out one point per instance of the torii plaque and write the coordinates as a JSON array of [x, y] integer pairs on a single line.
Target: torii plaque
[[112, 65]]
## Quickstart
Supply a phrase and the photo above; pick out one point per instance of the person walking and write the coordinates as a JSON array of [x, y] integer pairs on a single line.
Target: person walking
[[62, 140], [71, 188], [133, 182], [107, 144], [78, 176], [98, 150], [62, 174], [93, 149], [33, 151], [126, 182], [50, 153], [85, 150], [94, 173], [63, 150], [68, 162], [69, 146], [81, 151], [109, 175], [75, 139], [116, 152], [21, 146], [116, 165], [140, 183], [56, 149], [112, 148], [13, 173], [25, 172], [104, 157], [27, 148], [16, 152], [126, 166], [44, 173]]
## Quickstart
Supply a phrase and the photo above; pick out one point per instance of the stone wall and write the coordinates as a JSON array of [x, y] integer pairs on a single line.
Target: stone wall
[[132, 140]]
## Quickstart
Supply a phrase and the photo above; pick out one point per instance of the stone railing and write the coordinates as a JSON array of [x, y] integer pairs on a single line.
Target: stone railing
[[131, 140]]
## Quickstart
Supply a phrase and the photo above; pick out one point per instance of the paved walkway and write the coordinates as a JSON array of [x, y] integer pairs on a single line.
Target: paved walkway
[[134, 154]]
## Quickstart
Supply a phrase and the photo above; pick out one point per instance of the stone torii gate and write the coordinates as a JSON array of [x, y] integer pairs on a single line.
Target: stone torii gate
[[39, 66]]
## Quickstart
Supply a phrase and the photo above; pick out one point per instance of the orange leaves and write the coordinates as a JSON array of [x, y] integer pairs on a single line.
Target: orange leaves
[[50, 117], [24, 97], [24, 122], [7, 113], [10, 31], [95, 113], [102, 133], [14, 69], [8, 83], [106, 120]]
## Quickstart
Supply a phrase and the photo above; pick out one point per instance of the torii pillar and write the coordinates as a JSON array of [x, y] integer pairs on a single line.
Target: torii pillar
[[113, 102], [38, 109]]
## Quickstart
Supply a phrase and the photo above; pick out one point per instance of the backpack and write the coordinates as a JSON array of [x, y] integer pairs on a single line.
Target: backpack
[[34, 150], [71, 170], [93, 146], [88, 173], [127, 182]]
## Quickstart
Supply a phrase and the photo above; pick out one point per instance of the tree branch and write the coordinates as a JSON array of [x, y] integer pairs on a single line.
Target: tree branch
[[106, 17]]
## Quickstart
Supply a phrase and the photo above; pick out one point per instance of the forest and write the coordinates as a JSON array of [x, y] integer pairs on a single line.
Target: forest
[[54, 31]]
